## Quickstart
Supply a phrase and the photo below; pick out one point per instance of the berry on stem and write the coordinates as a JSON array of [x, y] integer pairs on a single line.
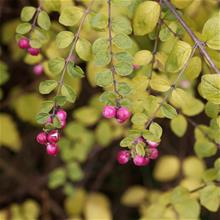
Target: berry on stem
[[61, 114], [122, 114], [33, 51], [141, 161], [53, 136], [123, 156], [52, 149], [153, 144], [154, 153], [109, 111], [38, 69], [42, 138], [23, 43]]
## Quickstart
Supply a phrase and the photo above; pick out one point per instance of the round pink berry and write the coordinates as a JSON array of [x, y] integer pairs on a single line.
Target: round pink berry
[[185, 84], [141, 161], [23, 43], [122, 114], [154, 153], [52, 149], [153, 144], [33, 51], [53, 136], [42, 138], [38, 69], [123, 156], [61, 114], [136, 66], [109, 111]]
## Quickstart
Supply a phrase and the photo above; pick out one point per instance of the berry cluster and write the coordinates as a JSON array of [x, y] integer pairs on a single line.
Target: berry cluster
[[24, 43], [51, 138], [121, 114], [151, 153]]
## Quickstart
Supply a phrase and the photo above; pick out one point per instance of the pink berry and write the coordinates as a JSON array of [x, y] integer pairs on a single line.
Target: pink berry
[[52, 149], [23, 43], [185, 84], [141, 161], [123, 156], [136, 66], [152, 144], [61, 114], [109, 111], [33, 51], [153, 153], [53, 136], [42, 138], [122, 114], [38, 69]]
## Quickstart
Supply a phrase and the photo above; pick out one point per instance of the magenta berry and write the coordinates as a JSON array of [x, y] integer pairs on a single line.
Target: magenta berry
[[122, 114], [53, 136], [38, 69], [152, 144], [136, 66], [123, 156], [109, 111], [23, 43], [61, 114], [33, 51], [42, 138], [153, 153], [141, 161], [52, 149]]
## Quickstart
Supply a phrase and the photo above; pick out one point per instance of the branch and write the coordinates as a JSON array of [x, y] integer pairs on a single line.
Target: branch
[[192, 35], [111, 51], [172, 87]]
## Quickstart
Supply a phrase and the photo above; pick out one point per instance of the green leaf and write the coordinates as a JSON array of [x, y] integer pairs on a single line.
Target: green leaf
[[210, 88], [159, 83], [211, 33], [124, 68], [156, 129], [68, 92], [23, 28], [60, 100], [57, 178], [108, 98], [42, 118], [102, 58], [179, 125], [168, 111], [83, 49], [212, 110], [139, 119], [64, 39], [74, 71], [178, 56], [74, 171], [56, 65], [127, 142], [146, 17], [123, 57], [47, 106], [104, 78], [38, 37], [101, 44], [205, 148], [99, 21], [9, 135], [43, 20], [27, 13], [209, 197], [142, 57], [70, 16], [121, 24], [47, 86], [124, 89], [122, 41]]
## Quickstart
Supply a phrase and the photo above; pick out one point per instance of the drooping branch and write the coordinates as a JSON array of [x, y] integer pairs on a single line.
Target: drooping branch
[[200, 44], [172, 87]]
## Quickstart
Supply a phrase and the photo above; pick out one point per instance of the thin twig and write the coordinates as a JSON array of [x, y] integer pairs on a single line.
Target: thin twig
[[192, 35], [168, 27], [172, 87], [111, 52]]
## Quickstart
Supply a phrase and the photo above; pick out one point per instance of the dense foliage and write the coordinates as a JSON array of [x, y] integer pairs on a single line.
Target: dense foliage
[[137, 79]]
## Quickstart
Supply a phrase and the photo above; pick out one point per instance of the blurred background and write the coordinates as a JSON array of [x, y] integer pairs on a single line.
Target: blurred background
[[84, 179]]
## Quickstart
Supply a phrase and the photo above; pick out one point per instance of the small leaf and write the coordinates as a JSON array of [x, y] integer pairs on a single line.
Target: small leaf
[[42, 118], [47, 106], [168, 111], [124, 89], [99, 21], [64, 39], [43, 20], [68, 92], [205, 148], [57, 178], [121, 24], [124, 68], [23, 28], [122, 41], [74, 71], [56, 65], [47, 86], [104, 78], [74, 171], [179, 125], [142, 57], [83, 49], [27, 13], [60, 100], [159, 83]]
